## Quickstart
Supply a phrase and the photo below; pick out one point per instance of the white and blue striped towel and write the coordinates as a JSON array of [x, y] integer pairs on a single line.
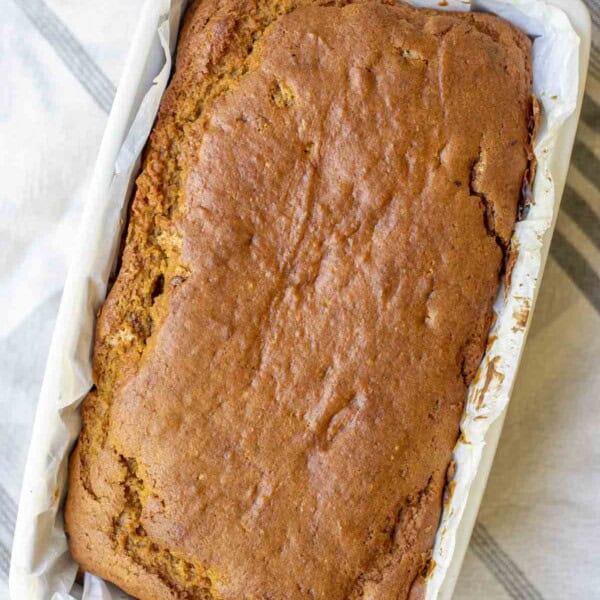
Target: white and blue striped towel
[[538, 533]]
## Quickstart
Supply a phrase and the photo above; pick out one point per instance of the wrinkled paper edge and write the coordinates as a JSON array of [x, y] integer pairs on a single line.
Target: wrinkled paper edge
[[41, 565]]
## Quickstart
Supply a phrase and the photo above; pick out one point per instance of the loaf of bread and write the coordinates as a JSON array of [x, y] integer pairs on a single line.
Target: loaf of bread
[[305, 293]]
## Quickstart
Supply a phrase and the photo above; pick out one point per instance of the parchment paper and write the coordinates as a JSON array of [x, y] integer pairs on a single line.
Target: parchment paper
[[41, 566]]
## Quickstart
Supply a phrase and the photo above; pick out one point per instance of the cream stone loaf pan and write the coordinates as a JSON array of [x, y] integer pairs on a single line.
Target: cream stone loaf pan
[[40, 564]]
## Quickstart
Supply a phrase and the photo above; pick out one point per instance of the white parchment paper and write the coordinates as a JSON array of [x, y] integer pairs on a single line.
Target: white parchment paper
[[41, 566]]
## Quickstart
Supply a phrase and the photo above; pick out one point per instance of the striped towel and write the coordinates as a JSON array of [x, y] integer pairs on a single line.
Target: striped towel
[[539, 526]]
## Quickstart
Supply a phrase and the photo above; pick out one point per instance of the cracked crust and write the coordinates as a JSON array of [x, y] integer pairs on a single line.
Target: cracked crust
[[305, 292]]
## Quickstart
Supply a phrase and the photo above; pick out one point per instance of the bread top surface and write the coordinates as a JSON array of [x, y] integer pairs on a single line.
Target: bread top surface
[[305, 292]]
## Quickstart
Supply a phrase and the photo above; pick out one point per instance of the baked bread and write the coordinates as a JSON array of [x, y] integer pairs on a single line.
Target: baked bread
[[305, 293]]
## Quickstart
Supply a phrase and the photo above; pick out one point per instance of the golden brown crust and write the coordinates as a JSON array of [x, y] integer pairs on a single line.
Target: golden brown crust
[[305, 293]]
